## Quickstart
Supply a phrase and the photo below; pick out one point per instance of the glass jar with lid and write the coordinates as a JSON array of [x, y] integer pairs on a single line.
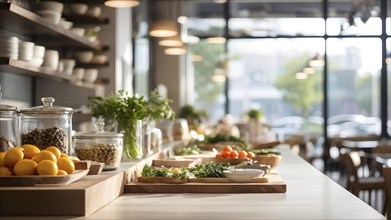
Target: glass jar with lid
[[8, 127], [47, 125], [100, 146]]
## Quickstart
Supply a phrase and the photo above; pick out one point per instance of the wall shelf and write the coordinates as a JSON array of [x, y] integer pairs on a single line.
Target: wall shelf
[[86, 20], [24, 68], [22, 21], [92, 65]]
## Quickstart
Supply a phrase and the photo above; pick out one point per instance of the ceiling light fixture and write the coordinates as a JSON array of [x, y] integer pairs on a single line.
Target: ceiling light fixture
[[171, 42], [301, 75], [196, 58], [175, 51], [216, 40], [309, 70], [220, 1], [163, 28], [182, 19], [122, 3]]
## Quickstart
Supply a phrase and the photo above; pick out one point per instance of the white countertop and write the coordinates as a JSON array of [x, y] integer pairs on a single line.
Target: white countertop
[[310, 195]]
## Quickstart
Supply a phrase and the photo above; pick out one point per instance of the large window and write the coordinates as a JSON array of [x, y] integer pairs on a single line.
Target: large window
[[267, 56]]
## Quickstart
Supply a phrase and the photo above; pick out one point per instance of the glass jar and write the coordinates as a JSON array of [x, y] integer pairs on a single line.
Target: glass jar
[[47, 125], [101, 146], [8, 127]]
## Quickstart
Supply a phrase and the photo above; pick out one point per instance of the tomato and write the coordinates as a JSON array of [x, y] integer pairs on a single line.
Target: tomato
[[218, 155], [242, 154], [250, 155], [234, 154], [226, 154], [227, 148]]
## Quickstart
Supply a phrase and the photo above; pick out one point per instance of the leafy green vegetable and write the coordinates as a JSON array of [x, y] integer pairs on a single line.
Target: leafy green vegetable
[[266, 151], [210, 170], [222, 138], [150, 171], [193, 149]]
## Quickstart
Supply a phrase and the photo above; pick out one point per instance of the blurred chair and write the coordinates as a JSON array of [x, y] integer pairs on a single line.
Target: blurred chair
[[352, 161], [387, 179]]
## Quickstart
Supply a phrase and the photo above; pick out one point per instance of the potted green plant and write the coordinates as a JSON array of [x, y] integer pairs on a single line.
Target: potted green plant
[[193, 116], [128, 111]]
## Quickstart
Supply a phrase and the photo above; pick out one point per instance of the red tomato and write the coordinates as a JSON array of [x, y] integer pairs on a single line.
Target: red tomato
[[250, 155], [218, 155], [234, 154], [227, 148], [226, 154], [242, 154]]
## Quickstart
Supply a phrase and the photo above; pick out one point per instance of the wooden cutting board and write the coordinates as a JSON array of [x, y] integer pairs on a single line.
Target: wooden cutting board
[[273, 184]]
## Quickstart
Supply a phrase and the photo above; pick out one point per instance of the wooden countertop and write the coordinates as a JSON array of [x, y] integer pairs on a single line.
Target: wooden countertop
[[310, 195]]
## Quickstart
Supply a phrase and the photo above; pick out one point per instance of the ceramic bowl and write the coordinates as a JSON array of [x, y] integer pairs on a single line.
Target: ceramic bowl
[[66, 24], [83, 56], [270, 159], [243, 175], [78, 74], [94, 11], [50, 16], [78, 31], [36, 61], [99, 58], [51, 59], [90, 75], [78, 8], [51, 6]]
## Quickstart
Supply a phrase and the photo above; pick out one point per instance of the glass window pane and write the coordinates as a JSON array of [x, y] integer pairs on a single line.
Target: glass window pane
[[141, 66], [348, 17], [388, 20], [264, 75], [268, 18], [204, 18], [207, 71], [354, 67]]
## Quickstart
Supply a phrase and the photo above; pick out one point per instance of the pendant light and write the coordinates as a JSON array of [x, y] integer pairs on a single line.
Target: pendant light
[[175, 50], [122, 3], [171, 42], [164, 27]]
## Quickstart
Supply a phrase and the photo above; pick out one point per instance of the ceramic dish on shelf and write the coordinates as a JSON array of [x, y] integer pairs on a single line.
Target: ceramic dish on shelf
[[66, 24], [78, 8], [243, 175], [78, 31], [50, 16], [51, 6]]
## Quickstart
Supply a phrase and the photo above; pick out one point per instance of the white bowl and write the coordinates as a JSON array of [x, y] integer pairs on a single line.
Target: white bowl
[[94, 11], [50, 16], [83, 56], [51, 6], [39, 51], [78, 74], [78, 31], [78, 8], [66, 24], [243, 175], [90, 75], [36, 61]]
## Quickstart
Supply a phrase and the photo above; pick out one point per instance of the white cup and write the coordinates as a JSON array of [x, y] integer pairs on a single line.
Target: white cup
[[68, 65], [51, 59], [39, 52]]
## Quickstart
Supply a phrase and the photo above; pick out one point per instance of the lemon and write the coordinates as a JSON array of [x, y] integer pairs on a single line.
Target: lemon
[[2, 161], [66, 164], [30, 151], [47, 167], [13, 156], [55, 151], [62, 172], [4, 171], [64, 155], [44, 155], [25, 167], [74, 159]]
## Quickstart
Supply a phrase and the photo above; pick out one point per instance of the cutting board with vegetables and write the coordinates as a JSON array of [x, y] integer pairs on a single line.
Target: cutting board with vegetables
[[270, 183]]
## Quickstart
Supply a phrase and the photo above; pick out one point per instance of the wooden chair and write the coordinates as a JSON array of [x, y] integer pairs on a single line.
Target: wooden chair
[[355, 183], [387, 179]]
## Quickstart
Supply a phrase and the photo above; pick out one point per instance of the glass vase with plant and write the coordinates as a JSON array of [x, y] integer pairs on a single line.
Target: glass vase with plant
[[128, 111]]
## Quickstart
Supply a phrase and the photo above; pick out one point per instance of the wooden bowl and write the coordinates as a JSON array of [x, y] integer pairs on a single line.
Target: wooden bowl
[[270, 159]]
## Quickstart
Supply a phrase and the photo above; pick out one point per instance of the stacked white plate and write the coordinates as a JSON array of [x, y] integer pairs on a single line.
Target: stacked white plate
[[26, 50], [9, 47]]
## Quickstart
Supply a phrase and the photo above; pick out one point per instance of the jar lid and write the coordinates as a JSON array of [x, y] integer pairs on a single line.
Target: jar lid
[[47, 108], [98, 133], [7, 108]]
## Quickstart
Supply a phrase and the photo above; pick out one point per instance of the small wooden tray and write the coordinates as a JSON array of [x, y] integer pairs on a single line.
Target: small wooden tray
[[226, 180], [232, 161], [143, 179], [35, 180]]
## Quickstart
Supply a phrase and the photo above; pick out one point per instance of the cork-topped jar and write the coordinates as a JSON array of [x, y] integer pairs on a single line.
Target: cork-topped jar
[[8, 127], [101, 146], [47, 125]]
